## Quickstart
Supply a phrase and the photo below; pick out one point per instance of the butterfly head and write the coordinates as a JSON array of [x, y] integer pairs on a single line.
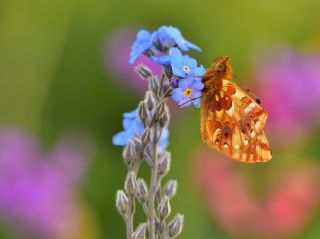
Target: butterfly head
[[220, 68]]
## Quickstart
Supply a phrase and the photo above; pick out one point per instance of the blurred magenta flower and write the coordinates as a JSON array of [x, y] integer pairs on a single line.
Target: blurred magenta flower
[[284, 211], [117, 51], [289, 86], [36, 189]]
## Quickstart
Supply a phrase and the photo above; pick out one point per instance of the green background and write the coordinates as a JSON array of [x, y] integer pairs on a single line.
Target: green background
[[53, 80]]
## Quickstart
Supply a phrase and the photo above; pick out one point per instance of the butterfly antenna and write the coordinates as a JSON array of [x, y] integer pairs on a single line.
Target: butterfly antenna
[[255, 97], [191, 100]]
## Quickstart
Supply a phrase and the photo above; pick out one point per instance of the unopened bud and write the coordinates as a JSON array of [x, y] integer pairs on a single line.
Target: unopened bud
[[175, 226], [154, 85], [164, 208], [157, 225], [170, 188], [122, 202], [150, 100], [142, 191], [164, 117], [148, 157], [146, 137], [132, 151], [164, 163], [143, 114], [140, 233], [144, 72], [131, 183]]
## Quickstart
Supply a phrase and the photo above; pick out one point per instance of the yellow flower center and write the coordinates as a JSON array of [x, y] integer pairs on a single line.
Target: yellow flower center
[[187, 92], [186, 68]]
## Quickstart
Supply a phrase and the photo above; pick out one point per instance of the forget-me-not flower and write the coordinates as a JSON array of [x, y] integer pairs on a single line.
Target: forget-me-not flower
[[169, 36], [159, 41], [133, 126], [182, 65], [188, 92], [143, 43]]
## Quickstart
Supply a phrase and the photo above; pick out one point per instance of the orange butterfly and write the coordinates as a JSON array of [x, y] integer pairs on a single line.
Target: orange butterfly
[[231, 121]]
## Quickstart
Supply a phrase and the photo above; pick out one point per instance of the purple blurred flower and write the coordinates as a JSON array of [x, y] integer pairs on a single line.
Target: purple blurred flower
[[36, 190], [289, 87]]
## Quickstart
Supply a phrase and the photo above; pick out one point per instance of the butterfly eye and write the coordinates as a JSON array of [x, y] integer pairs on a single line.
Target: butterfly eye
[[221, 68]]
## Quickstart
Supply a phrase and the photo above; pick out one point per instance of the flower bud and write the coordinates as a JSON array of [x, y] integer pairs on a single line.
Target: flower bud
[[175, 226], [150, 100], [148, 157], [164, 208], [170, 188], [142, 191], [154, 85], [122, 202], [164, 163], [140, 233], [146, 137], [130, 184], [143, 114], [132, 151], [144, 72], [129, 154], [164, 117]]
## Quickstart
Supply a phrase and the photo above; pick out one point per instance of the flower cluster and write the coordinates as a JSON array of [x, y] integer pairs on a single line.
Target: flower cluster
[[164, 47]]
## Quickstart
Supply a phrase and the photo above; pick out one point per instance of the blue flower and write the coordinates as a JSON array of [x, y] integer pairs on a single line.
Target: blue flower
[[181, 65], [188, 92], [143, 43], [133, 126], [184, 65], [170, 36], [159, 41]]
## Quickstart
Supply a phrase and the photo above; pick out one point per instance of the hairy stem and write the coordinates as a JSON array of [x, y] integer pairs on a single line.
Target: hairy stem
[[129, 218], [153, 185]]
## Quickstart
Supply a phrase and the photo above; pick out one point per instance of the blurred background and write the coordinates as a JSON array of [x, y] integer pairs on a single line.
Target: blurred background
[[65, 82]]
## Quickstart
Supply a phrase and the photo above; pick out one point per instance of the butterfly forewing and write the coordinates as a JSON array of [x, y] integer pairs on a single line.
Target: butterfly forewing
[[232, 122]]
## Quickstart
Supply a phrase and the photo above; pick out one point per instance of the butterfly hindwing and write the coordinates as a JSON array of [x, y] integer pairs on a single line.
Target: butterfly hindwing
[[232, 122]]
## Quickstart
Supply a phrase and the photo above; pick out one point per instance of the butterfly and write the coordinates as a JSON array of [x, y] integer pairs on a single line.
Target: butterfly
[[232, 121]]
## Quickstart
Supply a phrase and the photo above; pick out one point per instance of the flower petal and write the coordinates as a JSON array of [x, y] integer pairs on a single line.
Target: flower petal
[[185, 102], [121, 138], [177, 71], [176, 57], [185, 82], [189, 61], [196, 102], [163, 60], [198, 85], [199, 71], [192, 46], [142, 43], [177, 94], [178, 38]]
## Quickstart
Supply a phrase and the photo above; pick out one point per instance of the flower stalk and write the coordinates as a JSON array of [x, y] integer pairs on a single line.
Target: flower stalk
[[145, 134], [148, 147]]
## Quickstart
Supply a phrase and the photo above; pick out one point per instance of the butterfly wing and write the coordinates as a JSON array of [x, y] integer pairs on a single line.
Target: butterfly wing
[[232, 122]]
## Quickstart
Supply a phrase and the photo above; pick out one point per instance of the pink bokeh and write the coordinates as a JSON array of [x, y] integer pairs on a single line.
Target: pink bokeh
[[287, 207]]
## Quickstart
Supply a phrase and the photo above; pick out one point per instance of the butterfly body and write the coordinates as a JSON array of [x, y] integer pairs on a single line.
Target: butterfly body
[[231, 121]]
